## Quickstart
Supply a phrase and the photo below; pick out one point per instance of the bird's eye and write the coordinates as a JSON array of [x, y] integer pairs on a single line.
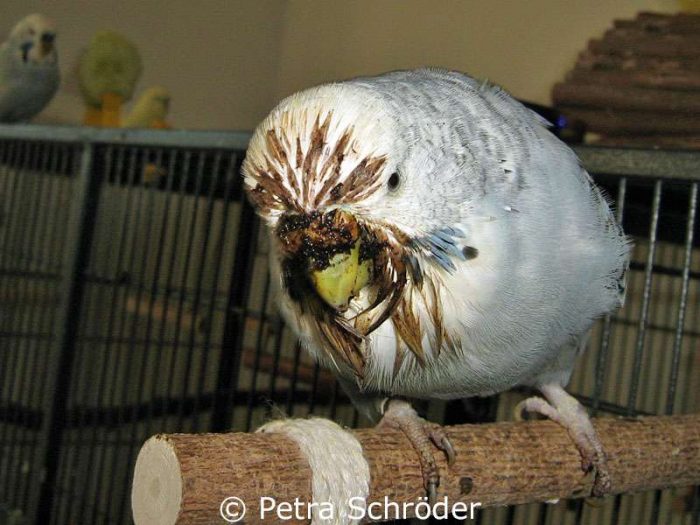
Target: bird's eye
[[394, 181], [31, 32]]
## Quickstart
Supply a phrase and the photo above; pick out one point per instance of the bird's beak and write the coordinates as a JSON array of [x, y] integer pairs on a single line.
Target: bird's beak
[[329, 252], [343, 278]]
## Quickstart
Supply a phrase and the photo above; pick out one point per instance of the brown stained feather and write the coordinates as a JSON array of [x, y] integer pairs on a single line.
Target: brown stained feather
[[398, 358], [408, 328], [331, 173], [293, 182], [313, 155], [275, 147], [362, 179], [392, 295], [300, 154], [319, 183], [390, 282], [272, 176], [271, 182], [346, 345], [454, 346], [261, 198], [432, 304]]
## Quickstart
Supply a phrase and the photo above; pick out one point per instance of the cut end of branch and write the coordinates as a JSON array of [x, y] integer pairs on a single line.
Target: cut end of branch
[[156, 493]]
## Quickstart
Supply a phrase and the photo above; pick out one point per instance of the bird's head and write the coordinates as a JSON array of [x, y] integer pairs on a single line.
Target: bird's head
[[34, 40], [333, 177], [157, 99]]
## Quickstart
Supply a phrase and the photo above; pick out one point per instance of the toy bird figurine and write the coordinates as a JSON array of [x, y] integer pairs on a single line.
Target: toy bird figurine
[[150, 110], [432, 239], [29, 75], [107, 71]]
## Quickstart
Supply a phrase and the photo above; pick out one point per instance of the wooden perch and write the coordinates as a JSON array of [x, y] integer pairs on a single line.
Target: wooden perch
[[680, 80], [654, 141], [634, 122], [183, 478], [625, 98], [162, 311], [663, 23], [598, 62], [633, 42], [288, 369]]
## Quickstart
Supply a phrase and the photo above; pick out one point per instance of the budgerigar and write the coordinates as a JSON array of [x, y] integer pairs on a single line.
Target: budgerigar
[[150, 110], [432, 239], [29, 74]]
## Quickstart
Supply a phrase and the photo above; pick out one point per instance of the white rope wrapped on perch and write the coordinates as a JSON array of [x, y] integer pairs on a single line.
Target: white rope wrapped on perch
[[340, 473]]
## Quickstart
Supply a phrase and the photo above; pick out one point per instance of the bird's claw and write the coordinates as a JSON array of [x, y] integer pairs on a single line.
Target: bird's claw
[[439, 438], [602, 485], [571, 415], [432, 492], [519, 411], [400, 414]]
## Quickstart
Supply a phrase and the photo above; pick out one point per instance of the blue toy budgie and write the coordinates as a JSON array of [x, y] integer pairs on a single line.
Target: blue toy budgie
[[432, 239], [29, 75]]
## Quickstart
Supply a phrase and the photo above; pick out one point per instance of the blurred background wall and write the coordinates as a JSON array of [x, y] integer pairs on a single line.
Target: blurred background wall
[[226, 62]]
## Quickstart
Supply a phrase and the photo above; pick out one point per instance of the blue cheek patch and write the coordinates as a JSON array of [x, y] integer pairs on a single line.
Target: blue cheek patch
[[442, 247]]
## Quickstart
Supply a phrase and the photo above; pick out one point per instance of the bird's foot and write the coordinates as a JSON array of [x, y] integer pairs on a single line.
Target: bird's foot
[[563, 408], [423, 435]]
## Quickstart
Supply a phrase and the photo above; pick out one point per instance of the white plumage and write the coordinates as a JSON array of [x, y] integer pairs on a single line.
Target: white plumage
[[29, 75], [510, 251]]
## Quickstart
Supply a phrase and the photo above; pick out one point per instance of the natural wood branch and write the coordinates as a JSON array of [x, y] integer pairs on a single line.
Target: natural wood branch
[[627, 42], [630, 98], [615, 122], [680, 22], [679, 80], [606, 62], [654, 141], [162, 311], [662, 25], [183, 478], [288, 369]]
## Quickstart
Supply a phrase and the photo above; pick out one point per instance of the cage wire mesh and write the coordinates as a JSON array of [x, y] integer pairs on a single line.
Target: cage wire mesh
[[135, 299]]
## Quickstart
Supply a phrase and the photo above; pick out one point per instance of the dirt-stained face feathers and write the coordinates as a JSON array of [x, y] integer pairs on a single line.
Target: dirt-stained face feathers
[[328, 253], [312, 179]]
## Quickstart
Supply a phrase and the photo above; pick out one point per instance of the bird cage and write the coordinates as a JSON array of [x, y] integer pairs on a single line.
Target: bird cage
[[135, 300]]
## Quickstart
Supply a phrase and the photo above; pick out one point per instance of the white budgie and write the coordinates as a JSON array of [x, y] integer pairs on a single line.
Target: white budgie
[[432, 239], [29, 74]]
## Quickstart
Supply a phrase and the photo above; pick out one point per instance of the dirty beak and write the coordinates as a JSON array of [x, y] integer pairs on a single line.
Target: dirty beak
[[343, 278], [330, 252]]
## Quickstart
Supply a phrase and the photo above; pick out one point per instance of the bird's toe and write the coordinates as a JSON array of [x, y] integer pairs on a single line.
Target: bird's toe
[[424, 436]]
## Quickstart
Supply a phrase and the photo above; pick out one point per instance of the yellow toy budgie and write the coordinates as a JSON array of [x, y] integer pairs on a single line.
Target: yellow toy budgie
[[150, 110]]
